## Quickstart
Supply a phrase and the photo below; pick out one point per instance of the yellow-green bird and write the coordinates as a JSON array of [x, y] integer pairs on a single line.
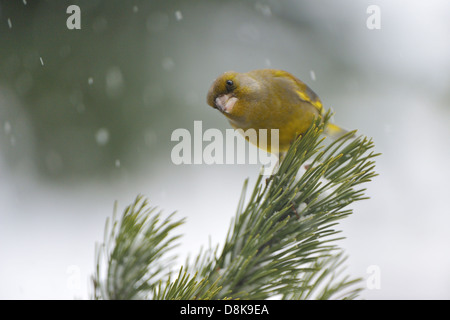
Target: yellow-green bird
[[268, 99]]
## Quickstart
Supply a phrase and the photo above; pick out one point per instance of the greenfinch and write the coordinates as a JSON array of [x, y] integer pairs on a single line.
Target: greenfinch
[[268, 99]]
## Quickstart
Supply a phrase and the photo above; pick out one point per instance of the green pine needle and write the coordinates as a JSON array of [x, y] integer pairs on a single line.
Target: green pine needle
[[281, 243]]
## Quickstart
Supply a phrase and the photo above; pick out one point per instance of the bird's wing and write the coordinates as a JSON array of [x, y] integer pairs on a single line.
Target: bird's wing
[[302, 91]]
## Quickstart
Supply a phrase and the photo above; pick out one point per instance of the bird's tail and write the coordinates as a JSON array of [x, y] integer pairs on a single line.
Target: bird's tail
[[334, 131]]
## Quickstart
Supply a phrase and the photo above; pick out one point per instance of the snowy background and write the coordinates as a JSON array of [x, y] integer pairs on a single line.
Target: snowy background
[[86, 118]]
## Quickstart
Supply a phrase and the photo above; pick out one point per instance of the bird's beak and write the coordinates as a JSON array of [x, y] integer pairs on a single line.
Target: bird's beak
[[225, 102]]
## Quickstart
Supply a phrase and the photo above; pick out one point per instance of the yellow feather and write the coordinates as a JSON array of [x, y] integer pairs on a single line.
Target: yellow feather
[[316, 103]]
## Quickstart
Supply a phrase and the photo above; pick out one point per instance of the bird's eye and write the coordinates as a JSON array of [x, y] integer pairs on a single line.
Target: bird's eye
[[229, 83]]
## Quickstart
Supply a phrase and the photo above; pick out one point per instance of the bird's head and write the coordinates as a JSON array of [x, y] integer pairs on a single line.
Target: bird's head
[[230, 92]]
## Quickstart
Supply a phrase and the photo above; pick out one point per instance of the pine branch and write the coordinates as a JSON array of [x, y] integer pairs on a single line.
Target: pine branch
[[133, 257], [287, 226], [282, 241]]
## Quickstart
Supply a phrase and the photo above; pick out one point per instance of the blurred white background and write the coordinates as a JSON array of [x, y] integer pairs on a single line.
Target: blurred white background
[[92, 123]]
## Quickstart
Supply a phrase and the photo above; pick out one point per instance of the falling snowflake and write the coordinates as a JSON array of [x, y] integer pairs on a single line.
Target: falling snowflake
[[102, 136], [114, 82], [263, 9], [178, 15], [7, 127]]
